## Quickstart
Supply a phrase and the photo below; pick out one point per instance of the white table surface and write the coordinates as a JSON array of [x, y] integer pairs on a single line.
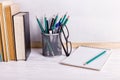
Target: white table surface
[[38, 67]]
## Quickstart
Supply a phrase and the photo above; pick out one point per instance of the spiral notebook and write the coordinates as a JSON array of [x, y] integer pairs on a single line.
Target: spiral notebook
[[95, 57]]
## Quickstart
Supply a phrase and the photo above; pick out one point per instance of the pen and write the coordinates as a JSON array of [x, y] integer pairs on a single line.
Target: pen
[[40, 25], [97, 56], [64, 23], [53, 27], [46, 25], [59, 23], [63, 18], [60, 20], [52, 22]]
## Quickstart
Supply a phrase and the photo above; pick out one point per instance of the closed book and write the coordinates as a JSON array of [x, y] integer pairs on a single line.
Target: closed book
[[22, 35], [1, 50], [11, 10], [3, 31]]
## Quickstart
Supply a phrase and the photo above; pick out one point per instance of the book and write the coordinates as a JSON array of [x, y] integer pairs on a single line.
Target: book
[[3, 31], [11, 10], [22, 35], [92, 56], [1, 49]]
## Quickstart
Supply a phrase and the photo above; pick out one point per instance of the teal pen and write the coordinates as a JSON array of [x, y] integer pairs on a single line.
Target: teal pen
[[46, 26], [97, 56], [64, 23], [63, 18], [40, 25]]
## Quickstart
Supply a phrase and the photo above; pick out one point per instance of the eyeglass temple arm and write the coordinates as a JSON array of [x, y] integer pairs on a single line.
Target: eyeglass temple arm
[[67, 31]]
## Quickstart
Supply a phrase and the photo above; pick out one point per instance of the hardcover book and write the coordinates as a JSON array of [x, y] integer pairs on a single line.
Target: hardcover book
[[22, 35], [5, 53], [11, 10]]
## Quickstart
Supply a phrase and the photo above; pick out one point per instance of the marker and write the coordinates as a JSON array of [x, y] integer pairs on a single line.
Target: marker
[[97, 56]]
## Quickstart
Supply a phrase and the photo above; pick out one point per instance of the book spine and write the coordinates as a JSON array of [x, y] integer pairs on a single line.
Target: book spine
[[3, 34], [1, 49], [27, 35], [10, 33]]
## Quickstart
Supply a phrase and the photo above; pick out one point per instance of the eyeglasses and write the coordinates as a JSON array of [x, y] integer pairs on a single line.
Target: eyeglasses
[[67, 47]]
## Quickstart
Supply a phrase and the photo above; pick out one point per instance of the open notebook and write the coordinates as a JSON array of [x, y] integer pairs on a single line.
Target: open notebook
[[84, 54]]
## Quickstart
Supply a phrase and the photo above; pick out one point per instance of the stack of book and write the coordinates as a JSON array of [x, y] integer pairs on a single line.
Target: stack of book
[[14, 32]]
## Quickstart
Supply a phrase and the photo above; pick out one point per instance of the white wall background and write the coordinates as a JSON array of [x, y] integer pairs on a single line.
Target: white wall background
[[90, 20]]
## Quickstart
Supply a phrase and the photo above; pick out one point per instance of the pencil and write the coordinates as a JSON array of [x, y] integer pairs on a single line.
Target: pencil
[[40, 25], [92, 59]]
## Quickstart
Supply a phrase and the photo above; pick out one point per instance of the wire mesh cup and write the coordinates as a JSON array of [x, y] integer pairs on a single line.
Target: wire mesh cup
[[51, 45]]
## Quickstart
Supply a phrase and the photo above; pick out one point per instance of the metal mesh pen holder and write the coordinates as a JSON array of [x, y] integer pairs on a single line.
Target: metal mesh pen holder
[[51, 45]]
